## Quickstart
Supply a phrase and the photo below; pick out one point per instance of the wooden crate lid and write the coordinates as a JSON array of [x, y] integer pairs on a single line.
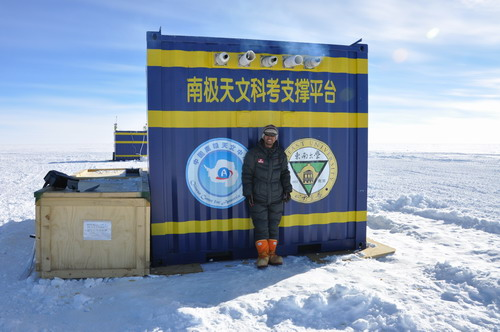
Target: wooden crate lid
[[112, 183]]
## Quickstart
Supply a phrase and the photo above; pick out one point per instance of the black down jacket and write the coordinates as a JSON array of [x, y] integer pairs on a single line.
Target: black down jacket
[[265, 174]]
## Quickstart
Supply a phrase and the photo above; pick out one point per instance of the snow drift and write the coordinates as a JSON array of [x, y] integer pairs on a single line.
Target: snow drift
[[440, 210]]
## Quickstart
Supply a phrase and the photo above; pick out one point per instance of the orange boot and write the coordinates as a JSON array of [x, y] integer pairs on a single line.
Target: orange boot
[[273, 258], [263, 250]]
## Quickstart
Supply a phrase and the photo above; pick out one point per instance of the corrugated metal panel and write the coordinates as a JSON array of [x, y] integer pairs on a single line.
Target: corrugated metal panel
[[130, 145], [200, 112]]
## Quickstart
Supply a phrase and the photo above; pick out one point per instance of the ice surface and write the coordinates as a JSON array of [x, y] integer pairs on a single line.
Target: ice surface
[[440, 210]]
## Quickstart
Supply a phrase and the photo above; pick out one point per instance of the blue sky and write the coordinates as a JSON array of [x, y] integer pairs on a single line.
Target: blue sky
[[70, 68]]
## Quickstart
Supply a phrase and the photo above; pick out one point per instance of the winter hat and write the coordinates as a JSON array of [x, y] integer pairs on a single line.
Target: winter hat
[[270, 130]]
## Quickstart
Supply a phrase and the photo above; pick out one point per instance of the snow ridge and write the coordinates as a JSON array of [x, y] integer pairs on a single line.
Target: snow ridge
[[481, 286], [420, 205]]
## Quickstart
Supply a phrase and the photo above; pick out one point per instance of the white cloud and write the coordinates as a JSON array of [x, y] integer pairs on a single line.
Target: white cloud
[[400, 55], [437, 131], [68, 120], [419, 108], [112, 67], [478, 84], [432, 33]]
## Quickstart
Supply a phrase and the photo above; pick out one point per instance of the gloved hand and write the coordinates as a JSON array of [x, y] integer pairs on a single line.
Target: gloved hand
[[286, 197], [250, 200]]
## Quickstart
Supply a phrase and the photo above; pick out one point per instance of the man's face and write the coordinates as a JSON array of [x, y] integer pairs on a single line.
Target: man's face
[[269, 141]]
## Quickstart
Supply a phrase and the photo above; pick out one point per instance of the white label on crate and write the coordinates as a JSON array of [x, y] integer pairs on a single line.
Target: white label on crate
[[97, 230]]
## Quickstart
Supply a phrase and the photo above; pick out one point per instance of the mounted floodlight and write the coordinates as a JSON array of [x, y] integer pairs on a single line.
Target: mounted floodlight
[[246, 58], [269, 61], [312, 62], [221, 58], [292, 61]]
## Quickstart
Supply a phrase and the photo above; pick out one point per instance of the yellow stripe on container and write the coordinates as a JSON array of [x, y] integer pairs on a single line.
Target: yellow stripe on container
[[131, 155], [203, 59], [217, 225], [127, 134], [133, 142], [243, 119]]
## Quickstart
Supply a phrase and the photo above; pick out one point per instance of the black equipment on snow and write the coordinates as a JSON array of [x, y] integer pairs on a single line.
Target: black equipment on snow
[[60, 181]]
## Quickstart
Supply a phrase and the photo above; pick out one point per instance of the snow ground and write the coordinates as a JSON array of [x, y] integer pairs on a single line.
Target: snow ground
[[440, 210]]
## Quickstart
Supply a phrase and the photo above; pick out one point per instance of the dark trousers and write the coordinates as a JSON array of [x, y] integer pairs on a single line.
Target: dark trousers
[[266, 220]]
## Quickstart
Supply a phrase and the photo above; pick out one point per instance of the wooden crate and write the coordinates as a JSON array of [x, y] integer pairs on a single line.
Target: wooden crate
[[98, 234]]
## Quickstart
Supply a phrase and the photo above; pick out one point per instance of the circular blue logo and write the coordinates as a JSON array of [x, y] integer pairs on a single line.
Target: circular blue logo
[[213, 172]]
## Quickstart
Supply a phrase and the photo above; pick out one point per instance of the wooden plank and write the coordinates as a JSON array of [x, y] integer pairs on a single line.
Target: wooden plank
[[140, 254], [98, 273], [106, 173], [45, 237], [376, 249], [74, 194], [100, 172], [176, 269], [147, 235], [93, 201], [38, 236]]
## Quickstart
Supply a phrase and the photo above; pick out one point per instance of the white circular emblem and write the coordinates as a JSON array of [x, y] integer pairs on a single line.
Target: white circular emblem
[[213, 172]]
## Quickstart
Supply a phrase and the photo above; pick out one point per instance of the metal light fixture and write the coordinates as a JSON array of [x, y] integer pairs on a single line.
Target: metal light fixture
[[312, 62], [221, 58], [292, 61], [246, 58], [268, 61]]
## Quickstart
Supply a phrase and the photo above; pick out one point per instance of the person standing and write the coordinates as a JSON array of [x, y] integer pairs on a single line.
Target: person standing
[[266, 186]]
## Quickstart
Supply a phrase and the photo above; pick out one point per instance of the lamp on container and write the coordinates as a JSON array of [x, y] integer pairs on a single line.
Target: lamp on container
[[292, 61], [312, 62], [221, 58], [246, 58], [269, 61]]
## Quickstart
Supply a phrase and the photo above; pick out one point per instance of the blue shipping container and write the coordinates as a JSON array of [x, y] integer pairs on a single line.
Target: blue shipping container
[[207, 104], [130, 145]]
